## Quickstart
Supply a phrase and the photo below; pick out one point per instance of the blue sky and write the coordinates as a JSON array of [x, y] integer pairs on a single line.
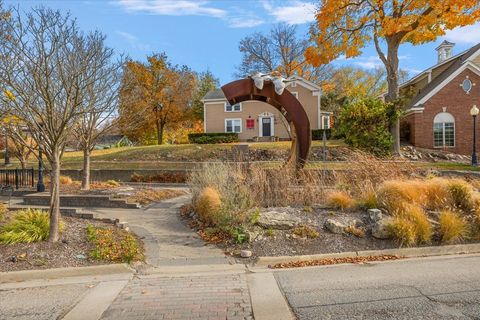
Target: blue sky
[[205, 34]]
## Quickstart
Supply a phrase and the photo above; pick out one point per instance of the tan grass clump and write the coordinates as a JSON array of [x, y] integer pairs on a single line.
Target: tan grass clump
[[411, 226], [369, 199], [394, 194], [452, 227], [65, 180], [208, 205], [462, 194], [340, 200], [437, 194]]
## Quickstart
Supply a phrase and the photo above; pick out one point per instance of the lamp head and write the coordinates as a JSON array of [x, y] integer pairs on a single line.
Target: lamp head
[[474, 111]]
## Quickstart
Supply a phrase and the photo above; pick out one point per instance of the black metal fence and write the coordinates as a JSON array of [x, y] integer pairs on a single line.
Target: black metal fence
[[17, 178]]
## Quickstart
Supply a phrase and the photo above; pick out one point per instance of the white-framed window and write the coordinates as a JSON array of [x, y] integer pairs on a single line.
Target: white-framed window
[[237, 107], [233, 125], [294, 84], [295, 94], [326, 122], [443, 130]]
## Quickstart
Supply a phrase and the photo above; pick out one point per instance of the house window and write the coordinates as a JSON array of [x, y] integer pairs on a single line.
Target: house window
[[443, 130], [237, 107], [326, 122], [233, 125], [467, 85], [294, 84], [250, 123]]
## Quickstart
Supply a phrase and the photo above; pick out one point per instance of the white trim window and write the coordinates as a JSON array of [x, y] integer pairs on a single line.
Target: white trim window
[[325, 122], [237, 107], [444, 130], [233, 125]]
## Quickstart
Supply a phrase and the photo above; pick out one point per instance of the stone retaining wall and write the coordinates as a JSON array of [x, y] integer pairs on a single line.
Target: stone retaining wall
[[43, 199]]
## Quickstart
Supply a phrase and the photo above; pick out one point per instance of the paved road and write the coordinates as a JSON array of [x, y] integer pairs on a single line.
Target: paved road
[[429, 288]]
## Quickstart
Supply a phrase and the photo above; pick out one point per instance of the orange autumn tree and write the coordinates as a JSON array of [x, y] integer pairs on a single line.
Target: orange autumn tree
[[345, 27], [154, 95]]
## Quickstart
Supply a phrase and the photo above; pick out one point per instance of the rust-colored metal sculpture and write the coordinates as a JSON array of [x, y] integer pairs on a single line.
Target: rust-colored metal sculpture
[[293, 111]]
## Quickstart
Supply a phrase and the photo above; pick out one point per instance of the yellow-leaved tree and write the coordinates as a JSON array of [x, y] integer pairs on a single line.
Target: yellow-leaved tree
[[344, 27]]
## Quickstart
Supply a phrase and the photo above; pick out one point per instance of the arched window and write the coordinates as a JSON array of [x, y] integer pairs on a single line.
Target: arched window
[[444, 130]]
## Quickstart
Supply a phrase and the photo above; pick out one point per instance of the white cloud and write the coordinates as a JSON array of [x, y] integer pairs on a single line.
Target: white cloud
[[465, 35], [295, 12], [172, 7], [133, 41], [370, 62], [241, 22]]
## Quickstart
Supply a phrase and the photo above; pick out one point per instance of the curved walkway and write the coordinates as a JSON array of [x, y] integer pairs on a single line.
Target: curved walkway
[[168, 240]]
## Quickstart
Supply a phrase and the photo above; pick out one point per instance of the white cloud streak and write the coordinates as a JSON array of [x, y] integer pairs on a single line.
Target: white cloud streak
[[133, 41], [172, 7], [464, 35], [294, 12]]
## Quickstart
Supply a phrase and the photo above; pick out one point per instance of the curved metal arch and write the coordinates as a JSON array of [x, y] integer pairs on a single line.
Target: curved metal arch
[[293, 111]]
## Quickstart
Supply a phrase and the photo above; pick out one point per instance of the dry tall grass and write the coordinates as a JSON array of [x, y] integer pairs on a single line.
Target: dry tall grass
[[340, 200], [208, 206], [411, 226], [452, 227]]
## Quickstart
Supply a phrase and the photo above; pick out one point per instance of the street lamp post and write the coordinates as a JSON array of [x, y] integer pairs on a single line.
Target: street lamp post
[[40, 185], [7, 155], [474, 113]]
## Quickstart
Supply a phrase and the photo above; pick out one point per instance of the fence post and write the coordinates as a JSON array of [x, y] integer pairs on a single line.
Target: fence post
[[17, 185], [33, 177]]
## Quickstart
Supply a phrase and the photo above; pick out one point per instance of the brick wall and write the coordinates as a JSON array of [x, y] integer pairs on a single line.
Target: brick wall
[[458, 103]]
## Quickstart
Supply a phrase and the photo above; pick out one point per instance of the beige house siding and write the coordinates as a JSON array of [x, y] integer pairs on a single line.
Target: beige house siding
[[215, 114]]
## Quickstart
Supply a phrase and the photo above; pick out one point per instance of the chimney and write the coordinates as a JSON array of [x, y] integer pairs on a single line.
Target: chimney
[[445, 51]]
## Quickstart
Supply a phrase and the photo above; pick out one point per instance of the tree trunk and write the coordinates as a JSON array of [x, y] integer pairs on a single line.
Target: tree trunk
[[54, 198], [23, 162], [160, 127], [86, 169], [393, 91]]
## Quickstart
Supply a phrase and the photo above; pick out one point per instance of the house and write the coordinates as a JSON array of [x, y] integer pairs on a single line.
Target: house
[[438, 113], [257, 120]]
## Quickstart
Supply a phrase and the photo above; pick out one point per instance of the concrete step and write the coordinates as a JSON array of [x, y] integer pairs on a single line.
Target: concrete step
[[102, 201]]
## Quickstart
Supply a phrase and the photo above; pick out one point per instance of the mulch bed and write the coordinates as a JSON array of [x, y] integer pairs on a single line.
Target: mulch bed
[[71, 251]]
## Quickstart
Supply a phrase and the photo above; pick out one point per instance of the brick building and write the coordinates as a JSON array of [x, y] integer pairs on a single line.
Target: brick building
[[438, 114]]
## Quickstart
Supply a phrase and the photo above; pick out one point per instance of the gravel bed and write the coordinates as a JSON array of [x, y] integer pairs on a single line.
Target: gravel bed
[[71, 251]]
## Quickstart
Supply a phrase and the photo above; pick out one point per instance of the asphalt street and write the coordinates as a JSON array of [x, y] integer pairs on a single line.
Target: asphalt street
[[430, 288]]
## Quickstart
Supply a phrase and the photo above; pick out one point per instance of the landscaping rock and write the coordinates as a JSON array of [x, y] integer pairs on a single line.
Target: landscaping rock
[[334, 226], [277, 220], [80, 257], [375, 214], [380, 229], [245, 253], [253, 234]]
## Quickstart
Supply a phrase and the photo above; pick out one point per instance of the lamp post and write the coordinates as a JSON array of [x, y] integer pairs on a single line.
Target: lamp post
[[7, 155], [474, 113], [40, 185]]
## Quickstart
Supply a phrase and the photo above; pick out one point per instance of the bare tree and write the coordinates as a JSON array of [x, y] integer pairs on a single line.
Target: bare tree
[[46, 67], [282, 49], [101, 101]]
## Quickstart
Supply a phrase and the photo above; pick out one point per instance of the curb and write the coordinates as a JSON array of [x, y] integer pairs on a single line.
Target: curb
[[58, 273], [403, 252]]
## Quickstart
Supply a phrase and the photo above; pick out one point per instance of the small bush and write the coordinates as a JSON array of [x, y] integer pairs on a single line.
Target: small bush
[[437, 193], [65, 180], [461, 193], [369, 200], [411, 226], [208, 138], [238, 235], [113, 183], [340, 200], [306, 232], [208, 206], [317, 134], [26, 226], [114, 245], [394, 194], [452, 227], [162, 177]]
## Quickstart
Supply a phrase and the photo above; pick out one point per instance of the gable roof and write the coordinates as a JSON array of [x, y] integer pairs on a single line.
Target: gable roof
[[459, 61], [217, 94]]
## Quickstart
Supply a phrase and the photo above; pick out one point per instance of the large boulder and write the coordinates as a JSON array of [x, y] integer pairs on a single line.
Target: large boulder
[[381, 229], [277, 220], [335, 226]]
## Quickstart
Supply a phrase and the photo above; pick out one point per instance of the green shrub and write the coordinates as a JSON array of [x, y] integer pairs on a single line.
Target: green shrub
[[461, 193], [365, 124], [208, 138], [26, 226], [317, 134], [114, 245]]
